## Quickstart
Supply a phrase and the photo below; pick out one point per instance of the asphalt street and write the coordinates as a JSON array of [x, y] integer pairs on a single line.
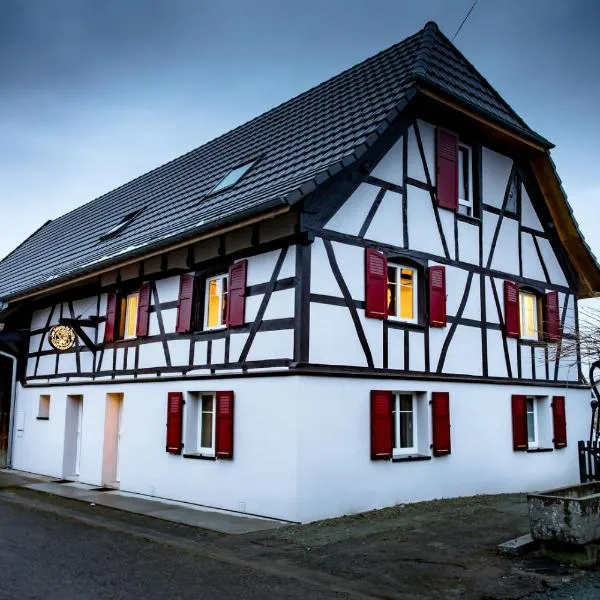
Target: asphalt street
[[49, 556]]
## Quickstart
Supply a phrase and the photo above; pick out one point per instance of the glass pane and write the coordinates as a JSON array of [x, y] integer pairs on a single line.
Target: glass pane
[[392, 292], [223, 300], [233, 177], [206, 422], [529, 315], [131, 319], [406, 294], [530, 420], [406, 403], [213, 316], [406, 430]]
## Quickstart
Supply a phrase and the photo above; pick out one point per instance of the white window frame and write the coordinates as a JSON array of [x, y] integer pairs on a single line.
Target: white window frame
[[135, 316], [206, 450], [536, 433], [414, 449], [221, 276], [415, 303], [536, 335], [467, 202]]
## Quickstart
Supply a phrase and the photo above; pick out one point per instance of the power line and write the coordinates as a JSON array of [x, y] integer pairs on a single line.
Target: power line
[[464, 20]]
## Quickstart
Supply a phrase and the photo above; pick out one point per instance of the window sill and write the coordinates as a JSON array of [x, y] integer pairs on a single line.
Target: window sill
[[468, 218], [200, 456], [42, 418], [534, 450], [410, 457]]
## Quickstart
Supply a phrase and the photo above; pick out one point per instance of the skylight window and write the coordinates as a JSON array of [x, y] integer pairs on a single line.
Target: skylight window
[[233, 176], [126, 220]]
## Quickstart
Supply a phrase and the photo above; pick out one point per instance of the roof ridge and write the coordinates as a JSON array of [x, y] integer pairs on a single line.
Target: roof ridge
[[421, 63]]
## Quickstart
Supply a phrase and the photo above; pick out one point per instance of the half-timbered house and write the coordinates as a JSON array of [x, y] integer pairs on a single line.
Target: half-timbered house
[[354, 300]]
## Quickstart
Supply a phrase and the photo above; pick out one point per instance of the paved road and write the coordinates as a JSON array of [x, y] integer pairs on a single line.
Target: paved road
[[587, 588], [52, 557]]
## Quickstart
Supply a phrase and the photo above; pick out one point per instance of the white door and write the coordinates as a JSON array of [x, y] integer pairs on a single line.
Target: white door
[[119, 420], [112, 440], [73, 437]]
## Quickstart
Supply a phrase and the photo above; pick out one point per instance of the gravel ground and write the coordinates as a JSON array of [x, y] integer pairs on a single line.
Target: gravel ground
[[586, 588], [438, 550]]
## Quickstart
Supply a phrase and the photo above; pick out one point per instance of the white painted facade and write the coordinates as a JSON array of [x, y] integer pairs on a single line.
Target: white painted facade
[[295, 430]]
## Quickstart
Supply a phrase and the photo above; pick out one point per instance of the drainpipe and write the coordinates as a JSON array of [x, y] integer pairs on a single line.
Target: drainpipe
[[13, 396]]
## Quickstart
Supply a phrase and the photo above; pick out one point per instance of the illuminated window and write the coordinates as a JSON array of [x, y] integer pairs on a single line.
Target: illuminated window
[[128, 316], [465, 181], [233, 177], [404, 423], [530, 315], [215, 305], [402, 293]]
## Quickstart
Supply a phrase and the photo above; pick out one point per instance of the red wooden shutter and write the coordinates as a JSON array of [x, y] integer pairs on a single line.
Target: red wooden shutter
[[143, 315], [224, 425], [375, 284], [381, 425], [111, 318], [512, 320], [552, 318], [185, 304], [236, 294], [437, 296], [447, 169], [559, 421], [174, 422], [519, 422], [440, 417]]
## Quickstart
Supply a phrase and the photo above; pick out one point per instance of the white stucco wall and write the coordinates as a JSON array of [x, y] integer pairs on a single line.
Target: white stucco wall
[[301, 445]]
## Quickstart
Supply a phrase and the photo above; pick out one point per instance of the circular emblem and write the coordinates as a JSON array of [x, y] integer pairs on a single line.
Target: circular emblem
[[62, 337]]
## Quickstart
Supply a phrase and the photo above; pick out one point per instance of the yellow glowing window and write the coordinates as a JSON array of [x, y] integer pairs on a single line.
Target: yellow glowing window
[[130, 307], [401, 288], [216, 302], [529, 316]]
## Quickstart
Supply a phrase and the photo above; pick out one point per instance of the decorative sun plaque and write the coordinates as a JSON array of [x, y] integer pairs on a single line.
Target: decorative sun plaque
[[62, 337]]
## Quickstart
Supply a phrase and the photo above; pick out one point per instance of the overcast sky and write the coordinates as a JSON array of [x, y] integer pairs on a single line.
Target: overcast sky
[[96, 92]]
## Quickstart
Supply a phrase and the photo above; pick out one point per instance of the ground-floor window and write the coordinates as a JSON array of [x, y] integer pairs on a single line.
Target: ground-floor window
[[44, 407], [404, 423], [200, 423]]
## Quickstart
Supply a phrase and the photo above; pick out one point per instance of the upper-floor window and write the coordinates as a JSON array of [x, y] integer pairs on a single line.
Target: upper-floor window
[[215, 302], [531, 309], [465, 181], [402, 292], [128, 316]]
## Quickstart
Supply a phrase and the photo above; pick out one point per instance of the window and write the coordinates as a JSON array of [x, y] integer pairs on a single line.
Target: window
[[116, 229], [532, 423], [215, 304], [402, 293], [44, 407], [207, 413], [531, 306], [404, 424], [128, 316], [465, 181], [233, 177]]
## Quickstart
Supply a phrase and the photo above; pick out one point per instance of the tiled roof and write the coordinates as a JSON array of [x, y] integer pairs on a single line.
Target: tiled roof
[[300, 144]]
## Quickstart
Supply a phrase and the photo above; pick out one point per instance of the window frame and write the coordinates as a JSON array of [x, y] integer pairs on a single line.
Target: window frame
[[397, 449], [399, 266], [200, 449], [206, 291], [44, 407], [247, 166], [466, 202], [538, 314], [535, 443], [127, 316]]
